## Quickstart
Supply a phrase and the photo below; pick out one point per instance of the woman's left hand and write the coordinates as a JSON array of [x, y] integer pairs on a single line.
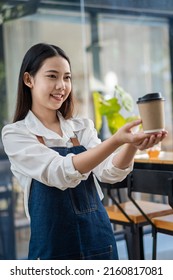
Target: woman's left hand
[[151, 140]]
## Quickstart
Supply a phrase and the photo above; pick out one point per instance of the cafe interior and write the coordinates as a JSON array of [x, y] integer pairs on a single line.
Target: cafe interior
[[119, 50]]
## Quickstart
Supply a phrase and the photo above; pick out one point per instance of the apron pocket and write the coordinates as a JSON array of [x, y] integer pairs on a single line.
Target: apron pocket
[[84, 197], [104, 253]]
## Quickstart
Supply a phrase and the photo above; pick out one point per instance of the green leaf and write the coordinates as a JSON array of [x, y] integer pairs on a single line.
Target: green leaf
[[127, 102], [115, 121], [126, 98], [97, 104], [109, 106], [131, 118]]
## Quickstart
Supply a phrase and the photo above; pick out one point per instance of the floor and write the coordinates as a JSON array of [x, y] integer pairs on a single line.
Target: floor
[[164, 249], [165, 246]]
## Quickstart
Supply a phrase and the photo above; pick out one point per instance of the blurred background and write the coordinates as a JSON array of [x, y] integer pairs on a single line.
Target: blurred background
[[112, 42]]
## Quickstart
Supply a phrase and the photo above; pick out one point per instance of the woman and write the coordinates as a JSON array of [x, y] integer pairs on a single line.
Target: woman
[[57, 157]]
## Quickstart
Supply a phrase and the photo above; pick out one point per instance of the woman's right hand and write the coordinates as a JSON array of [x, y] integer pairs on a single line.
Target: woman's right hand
[[139, 140]]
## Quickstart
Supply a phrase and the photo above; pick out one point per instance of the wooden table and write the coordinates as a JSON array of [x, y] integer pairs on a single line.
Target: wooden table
[[163, 162], [142, 161]]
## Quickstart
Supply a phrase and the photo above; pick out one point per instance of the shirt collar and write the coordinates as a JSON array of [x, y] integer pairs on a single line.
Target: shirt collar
[[36, 127]]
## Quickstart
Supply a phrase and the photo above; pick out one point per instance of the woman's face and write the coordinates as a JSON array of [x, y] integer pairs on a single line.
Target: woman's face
[[51, 85]]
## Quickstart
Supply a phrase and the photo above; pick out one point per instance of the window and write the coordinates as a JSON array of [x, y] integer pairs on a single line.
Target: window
[[102, 42]]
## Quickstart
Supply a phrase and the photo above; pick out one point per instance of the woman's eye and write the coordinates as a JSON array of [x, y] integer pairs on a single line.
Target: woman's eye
[[52, 76], [68, 77]]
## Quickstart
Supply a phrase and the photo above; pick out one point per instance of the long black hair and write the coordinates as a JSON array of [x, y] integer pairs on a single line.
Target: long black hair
[[31, 63]]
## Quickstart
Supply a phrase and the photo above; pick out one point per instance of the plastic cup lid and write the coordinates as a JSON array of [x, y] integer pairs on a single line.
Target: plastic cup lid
[[150, 97]]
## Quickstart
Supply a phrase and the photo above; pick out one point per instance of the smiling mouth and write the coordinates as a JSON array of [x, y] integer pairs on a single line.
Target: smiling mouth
[[58, 97]]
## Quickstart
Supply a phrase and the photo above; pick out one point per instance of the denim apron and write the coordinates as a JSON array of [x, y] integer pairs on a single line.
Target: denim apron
[[70, 224]]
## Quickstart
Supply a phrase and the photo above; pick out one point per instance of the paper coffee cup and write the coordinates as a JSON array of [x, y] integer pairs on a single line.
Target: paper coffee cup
[[151, 110]]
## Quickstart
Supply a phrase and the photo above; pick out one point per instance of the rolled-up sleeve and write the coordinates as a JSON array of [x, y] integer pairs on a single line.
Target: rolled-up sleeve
[[70, 172], [32, 159], [107, 172]]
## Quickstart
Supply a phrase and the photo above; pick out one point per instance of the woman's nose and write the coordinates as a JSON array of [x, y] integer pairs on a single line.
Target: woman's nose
[[60, 85]]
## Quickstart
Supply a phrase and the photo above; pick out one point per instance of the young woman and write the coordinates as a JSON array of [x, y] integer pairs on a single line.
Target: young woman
[[57, 157]]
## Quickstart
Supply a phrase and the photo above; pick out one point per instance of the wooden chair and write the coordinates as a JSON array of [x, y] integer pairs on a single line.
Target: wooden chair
[[135, 214], [163, 224], [156, 183]]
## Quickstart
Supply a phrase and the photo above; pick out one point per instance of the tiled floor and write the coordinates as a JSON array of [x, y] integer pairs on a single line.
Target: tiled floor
[[164, 247]]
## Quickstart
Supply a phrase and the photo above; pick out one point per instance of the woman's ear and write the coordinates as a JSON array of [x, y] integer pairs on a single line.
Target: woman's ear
[[27, 79]]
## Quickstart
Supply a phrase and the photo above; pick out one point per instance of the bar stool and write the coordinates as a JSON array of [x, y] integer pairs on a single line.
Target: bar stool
[[163, 224], [135, 214]]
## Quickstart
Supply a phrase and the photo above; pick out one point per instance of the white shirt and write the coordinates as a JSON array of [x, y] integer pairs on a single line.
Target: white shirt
[[32, 160]]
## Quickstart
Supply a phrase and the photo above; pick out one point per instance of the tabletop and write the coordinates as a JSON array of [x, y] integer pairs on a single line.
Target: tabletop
[[164, 158]]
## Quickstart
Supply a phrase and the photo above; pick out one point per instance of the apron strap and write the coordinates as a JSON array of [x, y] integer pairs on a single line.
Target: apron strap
[[40, 139], [74, 140]]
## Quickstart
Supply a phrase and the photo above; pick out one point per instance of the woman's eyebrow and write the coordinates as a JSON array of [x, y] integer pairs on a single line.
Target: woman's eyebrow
[[55, 71], [52, 71]]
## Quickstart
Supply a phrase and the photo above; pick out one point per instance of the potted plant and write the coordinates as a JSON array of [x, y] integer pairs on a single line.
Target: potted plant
[[113, 109]]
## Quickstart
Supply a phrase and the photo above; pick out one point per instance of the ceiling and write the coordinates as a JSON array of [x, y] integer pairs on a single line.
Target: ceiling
[[18, 8]]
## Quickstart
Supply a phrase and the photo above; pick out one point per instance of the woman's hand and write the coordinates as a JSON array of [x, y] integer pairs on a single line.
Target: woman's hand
[[139, 140], [152, 140], [86, 161], [134, 141]]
